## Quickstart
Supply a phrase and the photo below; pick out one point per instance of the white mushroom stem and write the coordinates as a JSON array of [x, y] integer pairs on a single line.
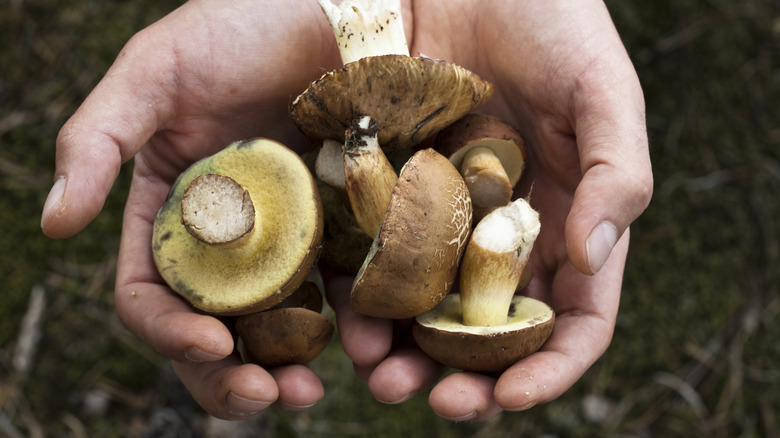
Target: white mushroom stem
[[493, 264], [329, 165], [216, 210], [486, 179], [366, 28], [369, 176]]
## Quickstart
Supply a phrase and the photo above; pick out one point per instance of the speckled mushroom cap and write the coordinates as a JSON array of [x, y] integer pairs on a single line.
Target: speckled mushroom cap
[[413, 261], [411, 98], [273, 261]]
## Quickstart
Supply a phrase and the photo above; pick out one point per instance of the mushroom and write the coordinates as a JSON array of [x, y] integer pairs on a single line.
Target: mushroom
[[345, 243], [293, 332], [413, 260], [410, 98], [487, 328], [368, 175], [490, 154], [240, 230]]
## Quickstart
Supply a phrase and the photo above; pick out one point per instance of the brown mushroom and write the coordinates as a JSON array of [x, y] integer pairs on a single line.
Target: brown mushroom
[[284, 336], [487, 327], [292, 332], [410, 98], [490, 154], [261, 233], [413, 261]]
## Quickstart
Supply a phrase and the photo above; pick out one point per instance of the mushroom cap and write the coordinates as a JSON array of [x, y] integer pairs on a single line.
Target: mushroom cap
[[477, 129], [411, 98], [307, 296], [414, 258], [284, 336], [277, 255], [441, 334]]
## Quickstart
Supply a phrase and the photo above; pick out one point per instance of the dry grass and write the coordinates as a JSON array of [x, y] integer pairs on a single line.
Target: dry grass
[[695, 352]]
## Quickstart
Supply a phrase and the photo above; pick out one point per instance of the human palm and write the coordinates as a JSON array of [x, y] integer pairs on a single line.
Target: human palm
[[207, 75]]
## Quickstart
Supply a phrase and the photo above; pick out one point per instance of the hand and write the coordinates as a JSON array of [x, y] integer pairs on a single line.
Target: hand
[[562, 75], [202, 77], [186, 87]]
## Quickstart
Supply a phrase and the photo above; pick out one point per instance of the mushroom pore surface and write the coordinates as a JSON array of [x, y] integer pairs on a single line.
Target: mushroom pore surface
[[273, 261]]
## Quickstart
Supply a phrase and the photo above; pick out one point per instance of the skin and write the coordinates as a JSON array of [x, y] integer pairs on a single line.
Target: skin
[[204, 76]]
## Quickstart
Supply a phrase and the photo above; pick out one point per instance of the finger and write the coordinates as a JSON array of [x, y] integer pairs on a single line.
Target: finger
[[586, 308], [617, 181], [299, 387], [403, 375], [115, 120], [228, 389], [465, 397], [365, 340]]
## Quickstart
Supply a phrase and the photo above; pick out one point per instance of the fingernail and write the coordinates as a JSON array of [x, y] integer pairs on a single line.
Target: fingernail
[[54, 197], [468, 417], [599, 245], [244, 407], [195, 354], [399, 401], [281, 404], [526, 407]]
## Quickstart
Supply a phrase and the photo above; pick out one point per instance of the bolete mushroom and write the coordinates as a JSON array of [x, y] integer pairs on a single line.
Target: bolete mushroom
[[240, 230], [490, 154], [411, 98], [413, 260], [293, 332], [487, 328]]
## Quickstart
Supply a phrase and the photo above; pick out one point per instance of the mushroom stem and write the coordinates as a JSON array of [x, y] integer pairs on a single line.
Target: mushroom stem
[[366, 28], [216, 210], [486, 179], [493, 264], [368, 174], [329, 165]]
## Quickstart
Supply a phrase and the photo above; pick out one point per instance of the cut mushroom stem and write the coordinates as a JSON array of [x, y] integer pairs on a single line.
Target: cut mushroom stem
[[493, 264], [216, 210], [486, 179], [369, 176], [366, 28]]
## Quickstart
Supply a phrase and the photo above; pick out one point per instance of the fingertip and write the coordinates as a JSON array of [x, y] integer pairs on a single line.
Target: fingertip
[[228, 389], [69, 208], [465, 396], [403, 375], [248, 390], [299, 387]]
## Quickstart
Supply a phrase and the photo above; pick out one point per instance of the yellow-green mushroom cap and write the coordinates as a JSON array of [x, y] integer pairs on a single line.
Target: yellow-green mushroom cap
[[272, 260]]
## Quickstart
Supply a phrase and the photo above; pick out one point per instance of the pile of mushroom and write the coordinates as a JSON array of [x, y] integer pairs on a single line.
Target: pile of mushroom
[[383, 102], [242, 229]]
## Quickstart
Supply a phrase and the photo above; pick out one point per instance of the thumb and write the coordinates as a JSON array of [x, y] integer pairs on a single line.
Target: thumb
[[110, 126], [616, 186]]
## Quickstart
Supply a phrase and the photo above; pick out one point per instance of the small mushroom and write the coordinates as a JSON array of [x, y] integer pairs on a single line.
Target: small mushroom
[[486, 328], [240, 230], [293, 332], [413, 260], [490, 154]]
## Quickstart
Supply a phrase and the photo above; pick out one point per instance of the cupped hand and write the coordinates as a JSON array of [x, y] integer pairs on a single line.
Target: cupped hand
[[562, 75], [205, 75], [209, 74]]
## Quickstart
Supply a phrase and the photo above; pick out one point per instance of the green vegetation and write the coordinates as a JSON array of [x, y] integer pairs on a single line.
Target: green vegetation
[[695, 352]]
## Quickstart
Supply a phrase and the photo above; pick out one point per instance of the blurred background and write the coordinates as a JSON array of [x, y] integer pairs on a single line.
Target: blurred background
[[695, 352]]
